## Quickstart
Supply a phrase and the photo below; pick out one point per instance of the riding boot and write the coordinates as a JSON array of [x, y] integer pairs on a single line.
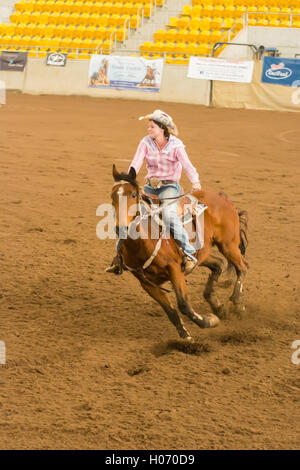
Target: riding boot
[[188, 264], [116, 266]]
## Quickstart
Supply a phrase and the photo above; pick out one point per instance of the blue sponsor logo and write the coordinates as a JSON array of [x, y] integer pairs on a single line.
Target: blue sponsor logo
[[279, 74]]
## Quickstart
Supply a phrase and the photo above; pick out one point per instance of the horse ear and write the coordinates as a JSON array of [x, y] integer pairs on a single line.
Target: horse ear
[[115, 172], [132, 173]]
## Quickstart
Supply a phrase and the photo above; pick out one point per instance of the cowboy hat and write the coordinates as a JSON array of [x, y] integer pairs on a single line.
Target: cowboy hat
[[164, 119]]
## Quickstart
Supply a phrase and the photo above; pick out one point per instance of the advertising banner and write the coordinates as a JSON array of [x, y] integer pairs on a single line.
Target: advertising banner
[[13, 61], [225, 70], [125, 73], [56, 59], [280, 71]]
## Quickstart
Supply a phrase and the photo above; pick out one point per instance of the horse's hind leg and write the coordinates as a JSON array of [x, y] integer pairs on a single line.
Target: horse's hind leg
[[162, 298], [215, 264], [233, 254]]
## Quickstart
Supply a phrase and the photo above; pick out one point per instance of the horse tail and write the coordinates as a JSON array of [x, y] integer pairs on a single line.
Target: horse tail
[[243, 217]]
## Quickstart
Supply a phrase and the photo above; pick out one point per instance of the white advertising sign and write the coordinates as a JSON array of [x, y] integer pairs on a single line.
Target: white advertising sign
[[225, 70]]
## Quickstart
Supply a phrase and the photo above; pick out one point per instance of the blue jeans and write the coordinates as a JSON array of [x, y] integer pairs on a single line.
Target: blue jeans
[[170, 216]]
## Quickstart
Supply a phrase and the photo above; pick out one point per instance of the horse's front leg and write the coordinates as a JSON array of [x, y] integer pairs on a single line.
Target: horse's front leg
[[179, 283], [162, 298]]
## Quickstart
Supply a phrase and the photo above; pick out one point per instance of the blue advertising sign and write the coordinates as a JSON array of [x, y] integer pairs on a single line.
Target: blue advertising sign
[[280, 71]]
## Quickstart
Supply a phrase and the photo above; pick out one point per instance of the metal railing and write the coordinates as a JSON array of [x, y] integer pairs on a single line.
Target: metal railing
[[244, 19]]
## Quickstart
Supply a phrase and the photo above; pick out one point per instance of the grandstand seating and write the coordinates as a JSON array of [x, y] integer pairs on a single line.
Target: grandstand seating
[[76, 24], [85, 25], [205, 22]]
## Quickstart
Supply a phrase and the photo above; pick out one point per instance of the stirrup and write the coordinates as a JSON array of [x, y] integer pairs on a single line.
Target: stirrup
[[188, 264]]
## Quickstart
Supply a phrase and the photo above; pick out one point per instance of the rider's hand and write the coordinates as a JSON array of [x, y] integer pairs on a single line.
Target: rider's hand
[[196, 187]]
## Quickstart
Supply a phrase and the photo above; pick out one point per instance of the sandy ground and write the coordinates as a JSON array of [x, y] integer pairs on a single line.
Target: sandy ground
[[92, 361]]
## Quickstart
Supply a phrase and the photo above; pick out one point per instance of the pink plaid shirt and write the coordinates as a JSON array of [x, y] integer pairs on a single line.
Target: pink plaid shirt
[[167, 163]]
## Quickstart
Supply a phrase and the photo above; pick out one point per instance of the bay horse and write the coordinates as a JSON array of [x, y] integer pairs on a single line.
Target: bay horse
[[154, 261]]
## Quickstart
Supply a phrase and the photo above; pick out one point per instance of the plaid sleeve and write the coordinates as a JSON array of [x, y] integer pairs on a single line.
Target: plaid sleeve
[[189, 169], [139, 157]]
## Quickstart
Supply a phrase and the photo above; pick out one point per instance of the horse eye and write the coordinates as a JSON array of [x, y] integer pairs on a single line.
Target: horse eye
[[133, 195]]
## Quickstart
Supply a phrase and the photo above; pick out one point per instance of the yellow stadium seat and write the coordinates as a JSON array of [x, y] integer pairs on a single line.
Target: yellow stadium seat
[[218, 11], [286, 10], [117, 8], [274, 9], [148, 10], [103, 20], [274, 21], [135, 21], [296, 22], [194, 36], [70, 31], [208, 10], [169, 47], [230, 12], [262, 21], [160, 35], [203, 49], [173, 22], [113, 20], [183, 22], [196, 11], [100, 33], [147, 46], [285, 22], [123, 19], [44, 18], [240, 11], [25, 6], [216, 23], [158, 47], [171, 34], [205, 36], [107, 8], [187, 10], [215, 36], [206, 23], [195, 23], [182, 35], [89, 33], [229, 22], [252, 21]]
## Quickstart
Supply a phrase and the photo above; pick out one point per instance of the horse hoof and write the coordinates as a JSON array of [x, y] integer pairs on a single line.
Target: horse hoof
[[213, 320], [184, 334], [239, 310], [221, 312]]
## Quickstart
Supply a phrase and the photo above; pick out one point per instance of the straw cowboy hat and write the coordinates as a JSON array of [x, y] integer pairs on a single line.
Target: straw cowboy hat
[[164, 119]]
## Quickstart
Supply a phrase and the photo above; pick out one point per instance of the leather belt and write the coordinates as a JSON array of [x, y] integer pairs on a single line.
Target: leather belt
[[161, 181]]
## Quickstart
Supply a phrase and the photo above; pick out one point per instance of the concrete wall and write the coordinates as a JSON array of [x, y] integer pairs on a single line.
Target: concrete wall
[[6, 9], [73, 78], [286, 40], [176, 87], [238, 52]]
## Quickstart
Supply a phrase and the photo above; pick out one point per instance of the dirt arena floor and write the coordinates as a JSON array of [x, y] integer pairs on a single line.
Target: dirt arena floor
[[92, 362]]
